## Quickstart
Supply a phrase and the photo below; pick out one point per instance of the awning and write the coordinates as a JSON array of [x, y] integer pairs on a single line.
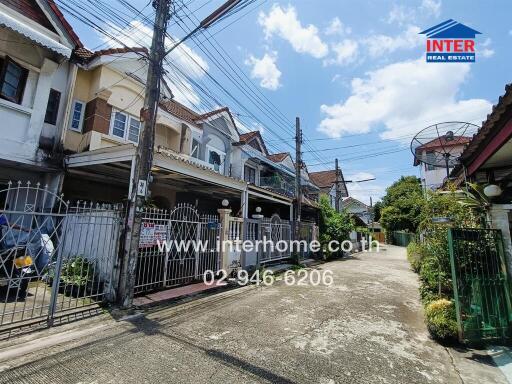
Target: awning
[[33, 35]]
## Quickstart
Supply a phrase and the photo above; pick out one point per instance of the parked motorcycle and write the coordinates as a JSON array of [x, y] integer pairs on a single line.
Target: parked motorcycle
[[23, 257]]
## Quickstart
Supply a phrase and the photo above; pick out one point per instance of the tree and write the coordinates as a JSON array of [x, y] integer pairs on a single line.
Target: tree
[[333, 225], [401, 206], [377, 208]]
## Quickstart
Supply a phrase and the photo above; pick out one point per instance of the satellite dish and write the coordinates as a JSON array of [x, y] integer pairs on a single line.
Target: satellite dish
[[440, 145]]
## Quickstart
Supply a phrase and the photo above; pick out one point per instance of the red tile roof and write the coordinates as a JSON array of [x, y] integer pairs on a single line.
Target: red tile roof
[[246, 138], [180, 111], [207, 115], [323, 179], [86, 56], [491, 127], [65, 24], [278, 157], [441, 142], [32, 10]]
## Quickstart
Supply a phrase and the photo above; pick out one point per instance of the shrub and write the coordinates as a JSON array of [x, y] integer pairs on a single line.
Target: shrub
[[333, 225], [441, 320], [414, 255], [76, 271]]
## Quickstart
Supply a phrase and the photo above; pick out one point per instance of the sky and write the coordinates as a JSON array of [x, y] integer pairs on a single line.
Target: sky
[[354, 72]]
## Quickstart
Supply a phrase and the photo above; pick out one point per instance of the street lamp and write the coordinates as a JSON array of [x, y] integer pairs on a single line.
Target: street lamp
[[492, 190]]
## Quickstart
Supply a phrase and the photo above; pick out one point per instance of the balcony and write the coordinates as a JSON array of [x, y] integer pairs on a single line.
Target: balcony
[[277, 184]]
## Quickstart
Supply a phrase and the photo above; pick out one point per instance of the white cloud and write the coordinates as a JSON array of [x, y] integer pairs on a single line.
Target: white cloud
[[185, 58], [285, 23], [378, 45], [336, 27], [403, 97], [433, 7], [346, 52], [486, 50], [265, 70], [400, 15]]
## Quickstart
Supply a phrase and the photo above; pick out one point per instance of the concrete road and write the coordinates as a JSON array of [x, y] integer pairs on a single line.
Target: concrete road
[[365, 328]]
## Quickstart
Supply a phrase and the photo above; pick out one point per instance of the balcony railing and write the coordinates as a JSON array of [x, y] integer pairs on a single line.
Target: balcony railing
[[278, 184]]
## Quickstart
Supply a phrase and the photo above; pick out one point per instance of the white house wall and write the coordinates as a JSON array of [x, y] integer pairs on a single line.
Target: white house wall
[[23, 125]]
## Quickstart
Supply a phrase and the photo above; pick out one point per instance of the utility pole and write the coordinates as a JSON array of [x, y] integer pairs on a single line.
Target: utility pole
[[298, 168], [144, 153], [371, 215], [338, 190]]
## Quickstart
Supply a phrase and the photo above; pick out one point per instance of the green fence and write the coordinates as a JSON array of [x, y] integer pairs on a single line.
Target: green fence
[[480, 285], [402, 239]]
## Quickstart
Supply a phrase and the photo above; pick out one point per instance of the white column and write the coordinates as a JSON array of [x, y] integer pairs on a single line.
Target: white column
[[245, 204], [40, 102], [224, 215], [500, 220]]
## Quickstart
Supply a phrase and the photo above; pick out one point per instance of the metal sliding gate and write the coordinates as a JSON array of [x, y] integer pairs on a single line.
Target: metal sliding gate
[[480, 284], [55, 258], [176, 247]]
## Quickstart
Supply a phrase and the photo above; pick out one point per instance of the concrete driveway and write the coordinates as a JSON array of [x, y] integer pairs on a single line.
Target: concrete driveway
[[365, 328]]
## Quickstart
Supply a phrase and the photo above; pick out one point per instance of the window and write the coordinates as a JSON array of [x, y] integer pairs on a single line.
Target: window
[[52, 109], [431, 158], [125, 127], [77, 116], [13, 78], [250, 174], [133, 131], [195, 149], [216, 158]]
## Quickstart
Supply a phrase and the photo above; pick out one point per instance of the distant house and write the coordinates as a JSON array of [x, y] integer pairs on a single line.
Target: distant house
[[433, 176], [326, 181], [271, 177], [359, 210]]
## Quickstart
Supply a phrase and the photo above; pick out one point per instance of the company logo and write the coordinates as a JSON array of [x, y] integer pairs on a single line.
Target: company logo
[[450, 42]]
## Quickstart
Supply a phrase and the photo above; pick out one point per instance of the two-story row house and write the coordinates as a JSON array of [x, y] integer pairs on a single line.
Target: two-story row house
[[200, 158], [70, 119]]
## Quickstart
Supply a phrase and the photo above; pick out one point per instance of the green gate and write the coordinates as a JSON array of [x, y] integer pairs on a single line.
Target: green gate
[[480, 284], [401, 238]]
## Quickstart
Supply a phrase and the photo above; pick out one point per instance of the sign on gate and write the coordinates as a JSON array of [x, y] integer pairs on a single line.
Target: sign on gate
[[151, 234]]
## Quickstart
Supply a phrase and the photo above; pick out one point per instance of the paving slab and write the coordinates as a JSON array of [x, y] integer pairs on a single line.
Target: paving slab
[[367, 327]]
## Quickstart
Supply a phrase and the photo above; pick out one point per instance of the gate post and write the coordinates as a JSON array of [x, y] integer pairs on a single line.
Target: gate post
[[499, 220], [224, 215]]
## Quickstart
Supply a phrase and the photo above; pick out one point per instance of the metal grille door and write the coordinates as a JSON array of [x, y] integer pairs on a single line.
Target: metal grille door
[[191, 247], [480, 284]]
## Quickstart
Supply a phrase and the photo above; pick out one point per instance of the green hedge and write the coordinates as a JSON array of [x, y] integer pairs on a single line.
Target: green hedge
[[414, 255]]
